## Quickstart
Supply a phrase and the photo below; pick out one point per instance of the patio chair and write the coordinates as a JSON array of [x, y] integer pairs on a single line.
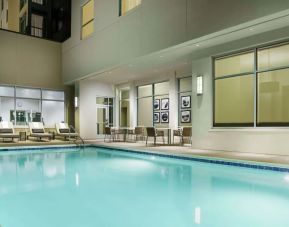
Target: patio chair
[[7, 131], [184, 133], [37, 131], [139, 133], [64, 131], [153, 132], [178, 133], [109, 132]]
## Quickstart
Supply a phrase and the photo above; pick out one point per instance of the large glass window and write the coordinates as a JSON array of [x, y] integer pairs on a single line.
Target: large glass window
[[273, 86], [22, 105], [124, 107], [185, 92], [154, 105], [127, 5], [87, 19], [252, 92], [52, 107], [234, 90], [145, 103], [7, 108], [37, 22], [161, 104]]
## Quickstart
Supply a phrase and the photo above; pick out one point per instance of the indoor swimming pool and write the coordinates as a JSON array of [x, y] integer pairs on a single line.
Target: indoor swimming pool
[[112, 188]]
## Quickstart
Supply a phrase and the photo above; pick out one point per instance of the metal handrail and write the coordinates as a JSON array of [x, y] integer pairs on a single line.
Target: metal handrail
[[82, 141]]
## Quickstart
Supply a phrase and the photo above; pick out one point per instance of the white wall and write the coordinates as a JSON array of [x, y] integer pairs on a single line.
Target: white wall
[[88, 91], [151, 27]]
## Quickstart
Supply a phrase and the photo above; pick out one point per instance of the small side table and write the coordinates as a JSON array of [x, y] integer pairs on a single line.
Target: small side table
[[22, 136]]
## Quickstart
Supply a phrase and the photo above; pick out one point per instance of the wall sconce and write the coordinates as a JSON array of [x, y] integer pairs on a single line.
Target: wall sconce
[[76, 102], [199, 85]]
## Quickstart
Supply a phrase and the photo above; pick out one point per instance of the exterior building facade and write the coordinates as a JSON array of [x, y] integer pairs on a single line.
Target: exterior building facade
[[48, 19]]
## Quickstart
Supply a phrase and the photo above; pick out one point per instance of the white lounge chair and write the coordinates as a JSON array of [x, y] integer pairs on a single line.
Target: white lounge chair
[[37, 131], [63, 130], [7, 131]]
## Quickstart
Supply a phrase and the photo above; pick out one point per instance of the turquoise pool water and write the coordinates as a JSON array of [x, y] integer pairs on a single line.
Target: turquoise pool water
[[107, 188]]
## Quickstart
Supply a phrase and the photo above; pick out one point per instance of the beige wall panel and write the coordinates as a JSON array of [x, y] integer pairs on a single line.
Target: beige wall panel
[[29, 61]]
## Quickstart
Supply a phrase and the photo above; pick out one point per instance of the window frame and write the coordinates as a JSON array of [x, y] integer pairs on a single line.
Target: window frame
[[120, 13], [81, 22], [255, 73]]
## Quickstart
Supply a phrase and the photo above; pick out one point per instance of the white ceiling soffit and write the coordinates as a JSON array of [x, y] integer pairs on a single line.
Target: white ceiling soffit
[[179, 56]]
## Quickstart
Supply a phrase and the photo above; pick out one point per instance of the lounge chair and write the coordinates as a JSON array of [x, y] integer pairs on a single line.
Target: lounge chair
[[63, 130], [37, 131], [7, 131]]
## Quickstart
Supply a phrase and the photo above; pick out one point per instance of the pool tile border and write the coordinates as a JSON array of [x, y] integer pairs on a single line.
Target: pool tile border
[[155, 153], [200, 159]]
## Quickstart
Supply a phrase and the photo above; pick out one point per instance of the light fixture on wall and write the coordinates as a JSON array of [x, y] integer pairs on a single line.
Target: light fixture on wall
[[199, 85], [76, 104]]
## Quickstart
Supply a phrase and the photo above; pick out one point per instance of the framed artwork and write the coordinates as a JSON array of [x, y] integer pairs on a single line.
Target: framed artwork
[[156, 104], [157, 117], [185, 102], [185, 116], [165, 104], [165, 117]]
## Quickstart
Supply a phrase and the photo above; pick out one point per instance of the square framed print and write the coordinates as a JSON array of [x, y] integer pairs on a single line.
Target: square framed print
[[165, 104], [185, 102], [157, 117], [165, 117], [185, 116], [156, 104]]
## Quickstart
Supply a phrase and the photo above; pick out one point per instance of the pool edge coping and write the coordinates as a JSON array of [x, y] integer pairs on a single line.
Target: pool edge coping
[[189, 157], [204, 159]]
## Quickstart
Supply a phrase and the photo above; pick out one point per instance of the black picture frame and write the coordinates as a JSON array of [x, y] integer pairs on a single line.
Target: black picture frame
[[157, 104], [165, 117], [185, 102], [185, 116], [165, 104], [157, 117]]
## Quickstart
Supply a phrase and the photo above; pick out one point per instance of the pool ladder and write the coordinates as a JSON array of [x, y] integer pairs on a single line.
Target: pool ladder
[[81, 145]]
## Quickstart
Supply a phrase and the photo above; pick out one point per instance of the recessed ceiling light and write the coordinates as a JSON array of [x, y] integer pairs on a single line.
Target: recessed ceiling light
[[197, 45], [251, 29]]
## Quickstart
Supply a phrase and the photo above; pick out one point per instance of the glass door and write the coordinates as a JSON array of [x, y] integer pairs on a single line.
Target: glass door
[[101, 119], [104, 114]]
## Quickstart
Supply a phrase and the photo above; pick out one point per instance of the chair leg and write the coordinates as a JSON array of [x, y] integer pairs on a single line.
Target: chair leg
[[155, 140], [147, 141]]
